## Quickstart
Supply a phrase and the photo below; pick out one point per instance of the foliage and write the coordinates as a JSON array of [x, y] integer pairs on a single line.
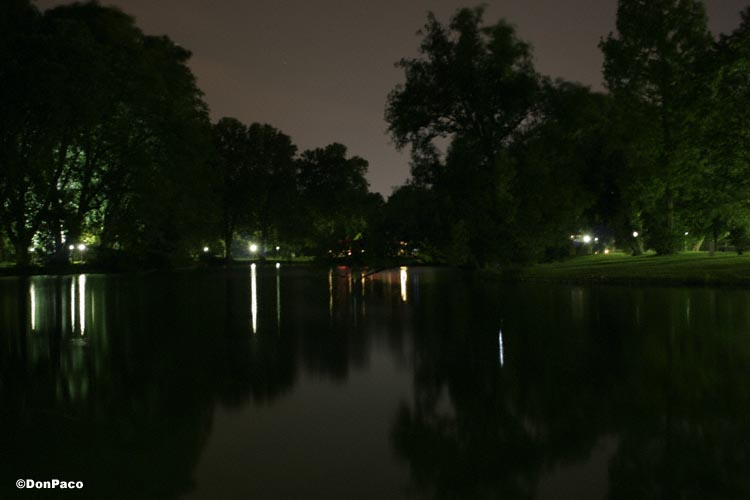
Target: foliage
[[106, 133], [476, 87], [334, 194], [651, 66]]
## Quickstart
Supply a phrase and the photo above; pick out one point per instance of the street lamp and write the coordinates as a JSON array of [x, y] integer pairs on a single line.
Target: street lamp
[[81, 248], [205, 249], [253, 248], [635, 234]]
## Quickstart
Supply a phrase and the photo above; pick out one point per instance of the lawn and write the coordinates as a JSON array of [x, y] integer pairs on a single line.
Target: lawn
[[694, 268]]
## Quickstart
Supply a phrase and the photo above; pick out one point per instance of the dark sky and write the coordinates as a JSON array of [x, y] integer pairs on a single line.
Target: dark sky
[[320, 70]]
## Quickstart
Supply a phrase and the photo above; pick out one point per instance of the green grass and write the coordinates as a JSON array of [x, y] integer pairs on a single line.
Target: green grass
[[689, 268]]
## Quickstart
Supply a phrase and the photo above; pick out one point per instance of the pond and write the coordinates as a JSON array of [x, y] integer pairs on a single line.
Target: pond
[[308, 383]]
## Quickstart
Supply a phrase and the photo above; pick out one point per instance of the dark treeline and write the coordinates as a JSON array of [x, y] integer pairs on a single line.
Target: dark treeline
[[512, 166], [106, 145]]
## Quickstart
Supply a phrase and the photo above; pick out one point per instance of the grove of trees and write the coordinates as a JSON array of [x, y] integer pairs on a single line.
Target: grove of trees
[[105, 141], [514, 162]]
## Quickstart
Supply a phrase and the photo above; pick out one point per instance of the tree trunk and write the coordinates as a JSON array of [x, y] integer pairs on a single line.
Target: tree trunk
[[21, 246]]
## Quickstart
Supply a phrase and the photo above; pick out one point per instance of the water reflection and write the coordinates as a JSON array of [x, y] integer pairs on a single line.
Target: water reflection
[[32, 300], [500, 347], [403, 277], [254, 298], [609, 392]]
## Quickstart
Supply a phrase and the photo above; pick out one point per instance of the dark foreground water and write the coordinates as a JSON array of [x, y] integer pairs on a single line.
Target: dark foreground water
[[418, 383]]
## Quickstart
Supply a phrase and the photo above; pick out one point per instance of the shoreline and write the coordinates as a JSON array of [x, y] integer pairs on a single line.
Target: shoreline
[[692, 269]]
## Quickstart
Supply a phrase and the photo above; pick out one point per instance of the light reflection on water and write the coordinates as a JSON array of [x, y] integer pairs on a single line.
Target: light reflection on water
[[543, 389], [253, 298]]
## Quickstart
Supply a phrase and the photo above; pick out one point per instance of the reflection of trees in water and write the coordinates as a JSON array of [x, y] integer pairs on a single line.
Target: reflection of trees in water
[[664, 372], [129, 401]]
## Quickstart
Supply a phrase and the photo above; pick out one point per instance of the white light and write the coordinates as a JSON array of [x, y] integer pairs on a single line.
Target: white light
[[596, 239], [82, 302], [71, 247], [500, 347], [635, 234], [278, 248], [278, 265], [403, 277], [606, 251], [81, 247], [253, 298], [205, 249], [686, 233], [32, 297], [587, 238], [253, 247]]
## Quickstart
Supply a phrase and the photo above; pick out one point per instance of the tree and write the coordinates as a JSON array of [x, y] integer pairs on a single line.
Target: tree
[[720, 195], [334, 194], [258, 184], [230, 137], [651, 65], [104, 132], [476, 87], [273, 186]]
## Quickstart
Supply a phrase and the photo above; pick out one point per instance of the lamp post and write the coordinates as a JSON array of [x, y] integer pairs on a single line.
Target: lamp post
[[81, 249]]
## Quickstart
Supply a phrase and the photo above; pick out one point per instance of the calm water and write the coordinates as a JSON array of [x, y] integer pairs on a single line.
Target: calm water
[[419, 383]]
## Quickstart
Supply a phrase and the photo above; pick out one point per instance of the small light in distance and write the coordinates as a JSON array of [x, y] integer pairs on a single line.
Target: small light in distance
[[586, 238], [71, 247], [606, 251], [253, 247], [635, 234], [205, 249], [81, 247], [278, 265]]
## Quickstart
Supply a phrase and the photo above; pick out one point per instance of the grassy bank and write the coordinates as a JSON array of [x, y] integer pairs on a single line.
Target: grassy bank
[[691, 268]]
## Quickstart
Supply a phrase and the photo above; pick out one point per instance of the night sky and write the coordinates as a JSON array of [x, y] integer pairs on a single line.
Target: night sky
[[321, 70]]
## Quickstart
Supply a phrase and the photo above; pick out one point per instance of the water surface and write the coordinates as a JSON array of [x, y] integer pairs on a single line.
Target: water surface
[[412, 383]]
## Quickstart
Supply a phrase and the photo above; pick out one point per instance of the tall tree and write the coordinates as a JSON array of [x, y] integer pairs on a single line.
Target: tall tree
[[230, 137], [720, 197], [273, 186], [97, 115], [258, 186], [651, 65], [334, 194], [476, 87]]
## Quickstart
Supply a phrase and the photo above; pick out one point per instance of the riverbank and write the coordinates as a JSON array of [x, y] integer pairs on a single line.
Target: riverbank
[[689, 268]]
